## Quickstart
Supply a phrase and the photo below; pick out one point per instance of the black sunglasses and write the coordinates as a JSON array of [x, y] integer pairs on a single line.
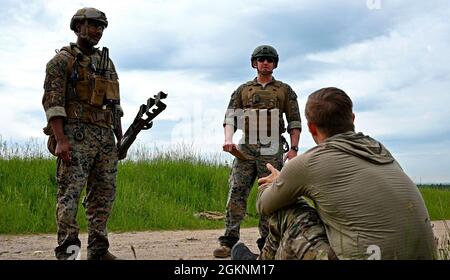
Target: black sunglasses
[[264, 58]]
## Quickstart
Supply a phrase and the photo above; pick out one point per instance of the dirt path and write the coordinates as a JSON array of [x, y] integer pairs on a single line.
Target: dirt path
[[150, 245]]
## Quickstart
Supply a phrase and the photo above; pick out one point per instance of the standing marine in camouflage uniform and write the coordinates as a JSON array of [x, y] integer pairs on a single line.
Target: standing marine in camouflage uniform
[[82, 106], [264, 94]]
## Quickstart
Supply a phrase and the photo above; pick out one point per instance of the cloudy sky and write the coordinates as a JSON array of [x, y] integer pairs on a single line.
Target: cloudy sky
[[392, 57]]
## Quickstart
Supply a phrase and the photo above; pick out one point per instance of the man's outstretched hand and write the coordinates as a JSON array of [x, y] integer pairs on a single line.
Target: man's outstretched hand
[[266, 181]]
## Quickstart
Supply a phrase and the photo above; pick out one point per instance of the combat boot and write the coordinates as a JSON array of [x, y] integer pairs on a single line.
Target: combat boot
[[102, 257], [222, 252], [242, 252]]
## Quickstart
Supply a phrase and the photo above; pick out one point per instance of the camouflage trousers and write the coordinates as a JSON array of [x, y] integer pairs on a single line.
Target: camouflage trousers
[[242, 177], [93, 164], [297, 233]]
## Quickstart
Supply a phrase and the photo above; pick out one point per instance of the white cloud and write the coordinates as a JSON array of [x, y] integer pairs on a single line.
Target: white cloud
[[407, 70], [393, 62]]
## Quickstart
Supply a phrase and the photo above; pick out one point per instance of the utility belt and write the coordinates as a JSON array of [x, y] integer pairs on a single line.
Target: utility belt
[[89, 114]]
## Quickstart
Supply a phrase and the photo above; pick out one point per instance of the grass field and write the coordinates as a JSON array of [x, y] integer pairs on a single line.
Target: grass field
[[437, 200], [156, 194]]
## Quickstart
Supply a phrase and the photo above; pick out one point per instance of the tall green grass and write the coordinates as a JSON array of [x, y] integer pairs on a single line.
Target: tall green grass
[[155, 194], [27, 195], [165, 194], [437, 200]]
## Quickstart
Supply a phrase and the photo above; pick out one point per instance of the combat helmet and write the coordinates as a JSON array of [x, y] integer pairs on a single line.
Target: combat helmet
[[88, 13], [266, 51]]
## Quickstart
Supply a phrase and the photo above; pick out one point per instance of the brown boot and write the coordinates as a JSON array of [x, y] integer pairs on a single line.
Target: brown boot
[[105, 257], [222, 252]]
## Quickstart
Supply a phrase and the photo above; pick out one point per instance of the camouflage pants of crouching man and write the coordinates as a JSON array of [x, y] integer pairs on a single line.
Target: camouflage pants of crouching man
[[242, 177], [94, 163], [297, 233]]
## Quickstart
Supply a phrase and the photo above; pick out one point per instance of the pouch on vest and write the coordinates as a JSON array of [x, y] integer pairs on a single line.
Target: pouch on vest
[[82, 86], [112, 92], [99, 89], [264, 99], [90, 114], [262, 102], [82, 90], [104, 89]]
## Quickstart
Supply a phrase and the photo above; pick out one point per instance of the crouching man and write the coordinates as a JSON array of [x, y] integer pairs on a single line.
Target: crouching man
[[366, 207]]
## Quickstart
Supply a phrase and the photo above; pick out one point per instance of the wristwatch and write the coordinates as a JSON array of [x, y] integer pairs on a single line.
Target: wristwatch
[[295, 148]]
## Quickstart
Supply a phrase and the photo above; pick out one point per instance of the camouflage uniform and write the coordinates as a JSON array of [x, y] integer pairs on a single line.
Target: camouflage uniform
[[244, 172], [297, 233], [94, 157]]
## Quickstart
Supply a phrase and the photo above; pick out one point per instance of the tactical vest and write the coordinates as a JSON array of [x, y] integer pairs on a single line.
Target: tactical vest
[[90, 95], [256, 100]]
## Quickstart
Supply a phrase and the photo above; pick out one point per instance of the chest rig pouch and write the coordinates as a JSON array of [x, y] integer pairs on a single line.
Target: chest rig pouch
[[259, 106], [261, 99], [95, 88], [94, 84], [102, 91]]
